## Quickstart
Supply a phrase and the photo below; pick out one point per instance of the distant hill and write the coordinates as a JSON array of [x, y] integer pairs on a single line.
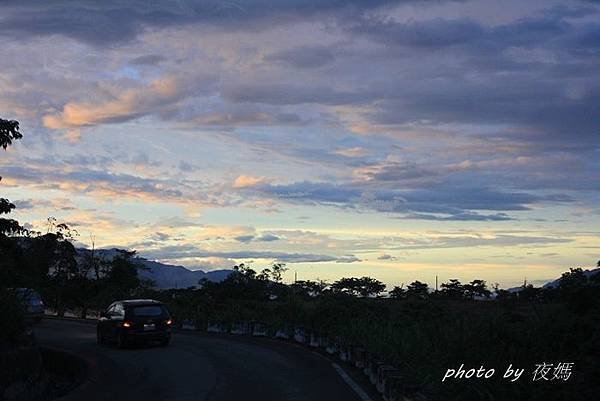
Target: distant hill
[[555, 283], [588, 273], [163, 275]]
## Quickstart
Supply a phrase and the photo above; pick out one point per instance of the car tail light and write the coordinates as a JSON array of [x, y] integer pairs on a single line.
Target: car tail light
[[126, 325], [169, 322]]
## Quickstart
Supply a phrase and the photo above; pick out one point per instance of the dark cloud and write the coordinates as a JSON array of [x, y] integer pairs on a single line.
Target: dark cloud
[[268, 238], [504, 240], [290, 94], [28, 204], [311, 192], [187, 167], [471, 35], [114, 22], [385, 256], [158, 237], [438, 202], [149, 59], [304, 56], [253, 238], [459, 217], [244, 238], [399, 171], [190, 251], [537, 74], [426, 34], [95, 181], [347, 259]]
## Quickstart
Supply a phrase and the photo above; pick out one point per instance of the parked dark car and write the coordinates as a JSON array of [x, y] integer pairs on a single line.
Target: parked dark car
[[32, 303], [135, 320]]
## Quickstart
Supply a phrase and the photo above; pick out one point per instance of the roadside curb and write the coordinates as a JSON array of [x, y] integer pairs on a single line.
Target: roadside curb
[[72, 319]]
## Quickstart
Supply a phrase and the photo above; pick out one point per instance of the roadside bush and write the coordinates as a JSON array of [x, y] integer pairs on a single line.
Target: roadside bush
[[12, 323]]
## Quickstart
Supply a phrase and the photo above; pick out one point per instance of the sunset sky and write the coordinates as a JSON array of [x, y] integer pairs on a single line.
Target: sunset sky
[[395, 139]]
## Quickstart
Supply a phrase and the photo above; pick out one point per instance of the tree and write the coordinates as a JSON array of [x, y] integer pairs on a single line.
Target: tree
[[398, 292], [529, 293], [417, 289], [277, 271], [309, 288], [477, 288], [8, 227], [242, 283], [9, 131], [119, 277], [572, 281], [363, 287], [453, 289]]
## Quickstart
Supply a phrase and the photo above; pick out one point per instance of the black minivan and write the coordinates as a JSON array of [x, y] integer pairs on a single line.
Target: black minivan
[[135, 320]]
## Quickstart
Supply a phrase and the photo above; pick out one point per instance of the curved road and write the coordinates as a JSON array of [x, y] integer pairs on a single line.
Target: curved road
[[197, 367]]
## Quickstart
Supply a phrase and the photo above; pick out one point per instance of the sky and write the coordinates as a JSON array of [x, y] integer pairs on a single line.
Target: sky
[[395, 139]]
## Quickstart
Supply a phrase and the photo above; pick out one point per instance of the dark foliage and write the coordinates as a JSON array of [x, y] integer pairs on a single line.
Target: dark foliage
[[9, 131]]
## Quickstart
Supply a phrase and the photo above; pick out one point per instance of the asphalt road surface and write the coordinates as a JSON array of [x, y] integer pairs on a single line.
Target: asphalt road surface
[[197, 367]]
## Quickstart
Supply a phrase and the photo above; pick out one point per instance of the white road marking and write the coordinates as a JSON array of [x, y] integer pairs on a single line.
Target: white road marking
[[357, 389]]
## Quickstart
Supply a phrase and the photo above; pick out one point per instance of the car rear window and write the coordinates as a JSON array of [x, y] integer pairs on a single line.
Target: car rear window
[[147, 310]]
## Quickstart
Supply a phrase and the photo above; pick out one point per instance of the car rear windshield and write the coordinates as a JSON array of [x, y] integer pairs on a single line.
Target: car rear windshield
[[147, 310]]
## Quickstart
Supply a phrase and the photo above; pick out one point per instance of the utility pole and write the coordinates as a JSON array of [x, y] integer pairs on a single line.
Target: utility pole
[[436, 283]]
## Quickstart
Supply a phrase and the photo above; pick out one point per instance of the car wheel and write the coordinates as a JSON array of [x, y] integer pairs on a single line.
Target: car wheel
[[99, 338], [165, 342], [121, 341]]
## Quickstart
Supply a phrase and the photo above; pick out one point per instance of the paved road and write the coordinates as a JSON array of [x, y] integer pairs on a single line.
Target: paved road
[[197, 367]]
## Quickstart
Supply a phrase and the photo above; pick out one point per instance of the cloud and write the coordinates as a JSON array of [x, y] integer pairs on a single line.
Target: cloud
[[500, 240], [304, 56], [290, 94], [396, 171], [348, 259], [244, 116], [430, 34], [244, 238], [125, 105], [268, 237], [188, 251], [158, 236], [186, 167], [107, 185], [386, 256], [439, 202], [402, 110], [465, 216], [247, 181], [253, 238], [37, 204], [351, 152], [519, 65], [148, 59], [116, 22]]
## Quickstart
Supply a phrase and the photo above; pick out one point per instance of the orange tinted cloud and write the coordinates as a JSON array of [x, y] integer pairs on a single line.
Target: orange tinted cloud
[[247, 181], [128, 104]]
